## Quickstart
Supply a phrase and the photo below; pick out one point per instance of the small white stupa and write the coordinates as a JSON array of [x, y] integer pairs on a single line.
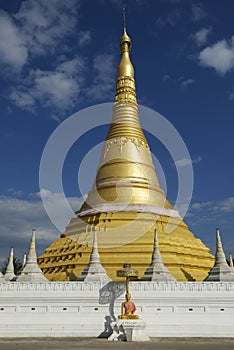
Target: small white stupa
[[10, 274], [221, 271], [94, 272], [31, 271], [157, 271]]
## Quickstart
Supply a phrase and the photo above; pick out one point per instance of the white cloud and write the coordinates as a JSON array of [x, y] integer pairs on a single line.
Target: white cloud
[[18, 216], [61, 88], [45, 24], [187, 161], [41, 28], [201, 36], [201, 205], [13, 51], [15, 192], [104, 70], [223, 206], [213, 213], [198, 12], [38, 28], [187, 82], [219, 56], [23, 100], [58, 88], [72, 67], [55, 88]]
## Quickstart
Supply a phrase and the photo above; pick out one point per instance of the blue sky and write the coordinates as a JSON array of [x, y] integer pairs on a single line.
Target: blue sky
[[58, 57]]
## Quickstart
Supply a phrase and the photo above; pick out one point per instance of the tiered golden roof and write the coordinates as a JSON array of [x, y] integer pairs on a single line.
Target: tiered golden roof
[[126, 204]]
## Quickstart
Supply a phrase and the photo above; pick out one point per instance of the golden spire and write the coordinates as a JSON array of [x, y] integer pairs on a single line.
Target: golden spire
[[125, 84], [126, 174]]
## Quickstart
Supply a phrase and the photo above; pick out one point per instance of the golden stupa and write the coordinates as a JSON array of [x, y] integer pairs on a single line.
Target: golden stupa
[[126, 205]]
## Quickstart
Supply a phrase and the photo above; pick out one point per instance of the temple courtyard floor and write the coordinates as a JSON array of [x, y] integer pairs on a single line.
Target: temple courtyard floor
[[92, 343]]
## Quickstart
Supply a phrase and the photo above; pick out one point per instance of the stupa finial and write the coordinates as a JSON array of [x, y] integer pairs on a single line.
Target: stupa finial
[[124, 18], [125, 38]]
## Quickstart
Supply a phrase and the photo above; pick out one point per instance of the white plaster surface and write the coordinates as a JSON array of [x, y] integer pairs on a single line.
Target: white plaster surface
[[79, 309]]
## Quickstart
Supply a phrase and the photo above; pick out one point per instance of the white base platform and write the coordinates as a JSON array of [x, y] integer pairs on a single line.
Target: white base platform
[[129, 330], [78, 309]]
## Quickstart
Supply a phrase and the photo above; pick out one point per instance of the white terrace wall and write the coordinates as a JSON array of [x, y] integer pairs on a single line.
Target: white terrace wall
[[78, 309]]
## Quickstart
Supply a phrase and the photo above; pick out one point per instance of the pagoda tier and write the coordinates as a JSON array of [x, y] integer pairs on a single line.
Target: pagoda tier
[[185, 256]]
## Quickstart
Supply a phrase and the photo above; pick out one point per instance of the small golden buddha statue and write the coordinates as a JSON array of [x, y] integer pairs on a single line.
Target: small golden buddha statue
[[128, 308]]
